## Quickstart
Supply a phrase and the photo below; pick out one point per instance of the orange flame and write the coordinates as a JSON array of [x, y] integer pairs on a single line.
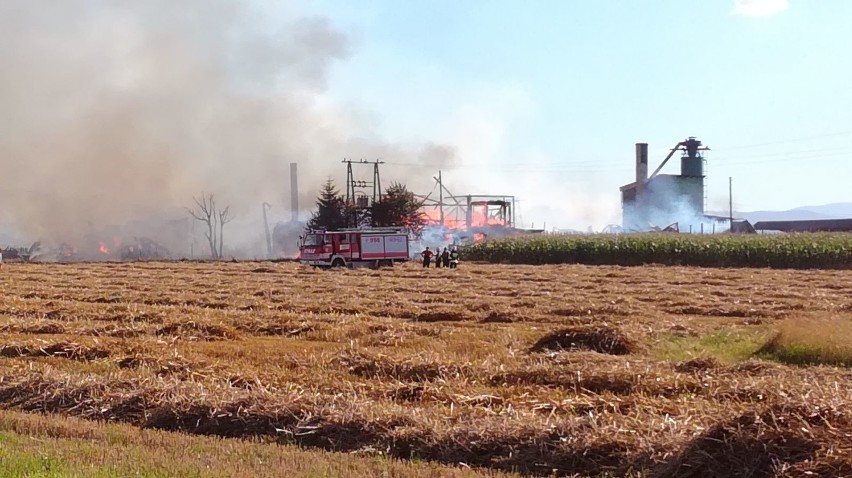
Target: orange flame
[[478, 218], [432, 215], [478, 237], [103, 248], [433, 218]]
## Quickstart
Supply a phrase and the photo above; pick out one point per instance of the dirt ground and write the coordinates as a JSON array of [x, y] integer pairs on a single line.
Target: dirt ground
[[566, 370]]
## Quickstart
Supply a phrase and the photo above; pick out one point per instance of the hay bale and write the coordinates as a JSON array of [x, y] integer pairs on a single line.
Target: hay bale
[[443, 316], [406, 393], [495, 317], [283, 330], [172, 366], [754, 367], [114, 331], [415, 370], [133, 362], [48, 328], [601, 339], [698, 364], [756, 444], [67, 350], [198, 330]]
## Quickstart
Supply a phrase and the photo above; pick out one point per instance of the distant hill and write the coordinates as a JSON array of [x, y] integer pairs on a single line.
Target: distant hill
[[804, 213], [839, 210]]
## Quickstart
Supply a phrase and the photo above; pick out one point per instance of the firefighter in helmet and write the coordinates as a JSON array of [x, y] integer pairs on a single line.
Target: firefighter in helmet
[[454, 258]]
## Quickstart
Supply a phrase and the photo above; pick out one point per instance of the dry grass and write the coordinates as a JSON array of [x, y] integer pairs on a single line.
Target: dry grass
[[809, 341], [58, 447], [565, 370]]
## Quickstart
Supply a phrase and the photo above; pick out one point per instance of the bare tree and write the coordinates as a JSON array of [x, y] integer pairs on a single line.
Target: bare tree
[[205, 211]]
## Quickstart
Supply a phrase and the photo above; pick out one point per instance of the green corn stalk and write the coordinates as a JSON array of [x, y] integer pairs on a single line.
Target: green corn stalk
[[799, 251]]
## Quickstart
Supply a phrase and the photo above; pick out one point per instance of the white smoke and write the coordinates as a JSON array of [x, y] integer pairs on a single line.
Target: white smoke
[[484, 126], [118, 113], [666, 206]]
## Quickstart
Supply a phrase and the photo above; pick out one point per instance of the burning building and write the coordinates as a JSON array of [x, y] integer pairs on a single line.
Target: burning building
[[468, 218], [478, 212], [661, 200]]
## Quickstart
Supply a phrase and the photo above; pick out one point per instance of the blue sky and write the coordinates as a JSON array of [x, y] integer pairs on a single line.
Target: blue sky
[[545, 99]]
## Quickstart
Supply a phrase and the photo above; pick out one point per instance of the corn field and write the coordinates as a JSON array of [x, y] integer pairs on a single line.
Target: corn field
[[794, 251]]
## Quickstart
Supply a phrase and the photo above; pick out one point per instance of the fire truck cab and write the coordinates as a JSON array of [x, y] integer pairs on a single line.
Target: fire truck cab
[[354, 248]]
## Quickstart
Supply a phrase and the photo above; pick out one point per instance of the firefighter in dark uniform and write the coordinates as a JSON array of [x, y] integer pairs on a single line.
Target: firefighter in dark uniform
[[427, 257]]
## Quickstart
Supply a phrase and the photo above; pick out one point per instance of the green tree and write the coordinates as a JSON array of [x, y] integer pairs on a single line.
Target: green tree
[[331, 209], [399, 207]]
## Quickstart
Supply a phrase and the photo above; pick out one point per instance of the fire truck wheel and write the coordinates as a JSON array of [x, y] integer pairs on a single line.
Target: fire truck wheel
[[338, 263]]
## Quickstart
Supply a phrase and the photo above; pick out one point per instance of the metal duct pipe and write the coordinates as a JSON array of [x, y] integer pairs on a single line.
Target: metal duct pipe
[[294, 193]]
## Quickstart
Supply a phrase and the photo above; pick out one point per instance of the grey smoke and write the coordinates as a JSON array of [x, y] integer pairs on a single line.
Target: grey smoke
[[118, 112]]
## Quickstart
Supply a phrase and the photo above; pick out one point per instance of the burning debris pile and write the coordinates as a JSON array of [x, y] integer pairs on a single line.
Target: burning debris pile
[[139, 248], [135, 240], [143, 249], [25, 254], [67, 253], [470, 219]]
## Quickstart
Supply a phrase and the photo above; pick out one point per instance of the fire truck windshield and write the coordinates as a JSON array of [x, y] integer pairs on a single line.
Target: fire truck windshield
[[312, 240]]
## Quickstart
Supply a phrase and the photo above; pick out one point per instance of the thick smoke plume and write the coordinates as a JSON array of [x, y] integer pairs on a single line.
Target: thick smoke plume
[[115, 113]]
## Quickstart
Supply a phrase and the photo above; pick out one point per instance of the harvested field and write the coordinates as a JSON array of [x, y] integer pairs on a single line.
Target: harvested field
[[554, 370]]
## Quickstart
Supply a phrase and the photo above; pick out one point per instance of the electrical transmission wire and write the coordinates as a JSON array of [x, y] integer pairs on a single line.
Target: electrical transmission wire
[[602, 166]]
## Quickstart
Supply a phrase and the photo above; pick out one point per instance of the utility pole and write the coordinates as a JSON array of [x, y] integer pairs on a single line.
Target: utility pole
[[377, 182], [266, 206], [353, 185], [731, 203], [441, 197], [350, 182]]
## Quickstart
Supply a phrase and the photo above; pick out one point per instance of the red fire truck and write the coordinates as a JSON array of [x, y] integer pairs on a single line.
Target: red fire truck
[[354, 247]]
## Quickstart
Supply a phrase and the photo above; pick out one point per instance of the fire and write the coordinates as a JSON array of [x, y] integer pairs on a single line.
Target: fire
[[66, 251], [103, 248], [479, 218], [454, 224], [432, 215], [433, 218], [478, 237]]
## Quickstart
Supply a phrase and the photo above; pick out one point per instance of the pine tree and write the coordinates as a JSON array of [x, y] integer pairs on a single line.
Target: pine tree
[[399, 207], [331, 209]]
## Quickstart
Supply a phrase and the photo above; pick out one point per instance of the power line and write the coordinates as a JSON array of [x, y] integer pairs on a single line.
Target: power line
[[612, 165], [612, 168], [793, 140], [809, 152]]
